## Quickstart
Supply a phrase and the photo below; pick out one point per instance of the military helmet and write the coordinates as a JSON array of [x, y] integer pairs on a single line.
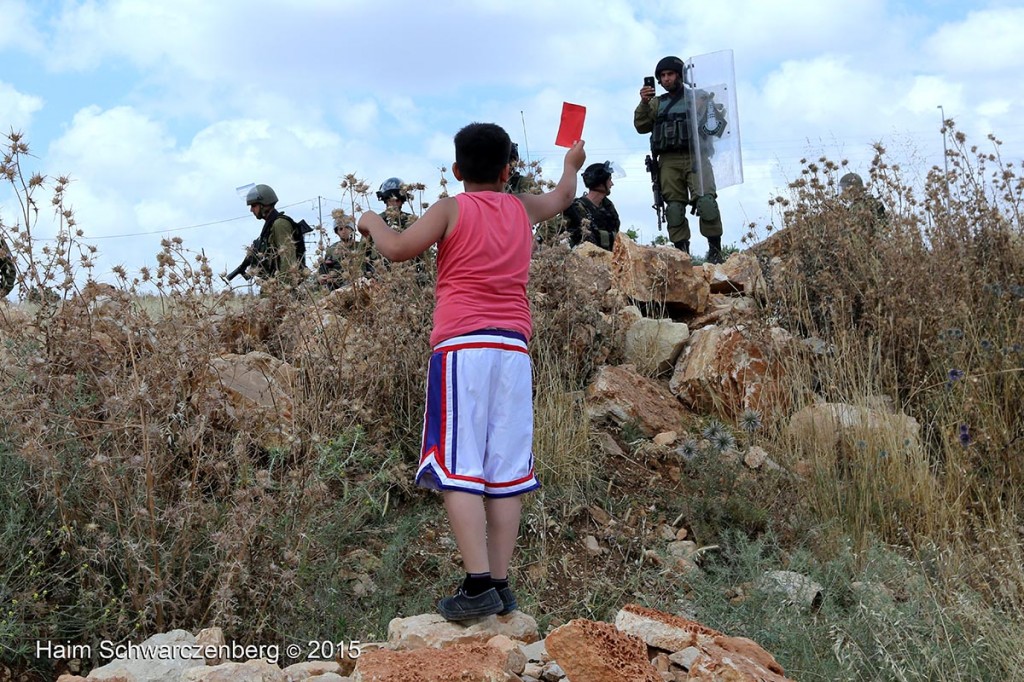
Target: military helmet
[[669, 64], [392, 187], [851, 180], [261, 194], [597, 174]]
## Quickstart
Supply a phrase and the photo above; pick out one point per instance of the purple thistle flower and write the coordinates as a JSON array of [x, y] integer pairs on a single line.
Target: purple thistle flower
[[965, 435], [956, 374]]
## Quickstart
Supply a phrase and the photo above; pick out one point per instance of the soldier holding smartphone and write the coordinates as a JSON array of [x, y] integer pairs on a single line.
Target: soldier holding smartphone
[[685, 175]]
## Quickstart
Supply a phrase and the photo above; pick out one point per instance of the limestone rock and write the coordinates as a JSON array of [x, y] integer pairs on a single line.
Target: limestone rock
[[306, 670], [255, 380], [654, 345], [431, 630], [725, 370], [138, 666], [826, 426], [658, 276], [249, 671], [793, 587], [622, 396], [740, 273], [660, 630]]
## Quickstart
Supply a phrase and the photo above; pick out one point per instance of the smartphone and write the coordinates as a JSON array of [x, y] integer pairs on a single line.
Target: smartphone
[[648, 81]]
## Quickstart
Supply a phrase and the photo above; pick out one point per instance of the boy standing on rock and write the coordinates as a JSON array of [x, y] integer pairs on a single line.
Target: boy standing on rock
[[478, 422]]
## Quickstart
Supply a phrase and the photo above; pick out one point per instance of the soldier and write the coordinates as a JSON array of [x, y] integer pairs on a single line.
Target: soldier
[[668, 119], [517, 182], [861, 202], [8, 270], [592, 217], [343, 260], [280, 250], [393, 196]]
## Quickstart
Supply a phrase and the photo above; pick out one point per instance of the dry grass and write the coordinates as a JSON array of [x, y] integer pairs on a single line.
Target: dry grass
[[137, 499]]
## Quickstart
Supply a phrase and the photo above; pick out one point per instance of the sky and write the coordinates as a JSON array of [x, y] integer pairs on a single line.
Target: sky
[[159, 111]]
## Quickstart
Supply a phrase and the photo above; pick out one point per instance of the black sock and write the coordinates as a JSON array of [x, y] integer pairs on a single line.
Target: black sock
[[499, 584], [476, 583]]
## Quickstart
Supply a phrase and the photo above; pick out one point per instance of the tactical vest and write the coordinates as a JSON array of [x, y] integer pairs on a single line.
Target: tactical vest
[[603, 219], [269, 263], [671, 131]]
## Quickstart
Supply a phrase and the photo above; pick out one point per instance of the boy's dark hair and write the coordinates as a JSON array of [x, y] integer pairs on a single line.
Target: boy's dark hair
[[482, 151]]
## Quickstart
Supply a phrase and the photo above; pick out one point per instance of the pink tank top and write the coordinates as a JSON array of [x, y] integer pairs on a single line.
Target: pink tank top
[[482, 268]]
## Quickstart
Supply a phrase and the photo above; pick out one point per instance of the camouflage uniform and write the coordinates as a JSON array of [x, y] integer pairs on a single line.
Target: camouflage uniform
[[864, 208], [869, 206], [522, 184], [398, 220], [8, 270], [343, 263], [680, 183], [277, 250], [586, 222]]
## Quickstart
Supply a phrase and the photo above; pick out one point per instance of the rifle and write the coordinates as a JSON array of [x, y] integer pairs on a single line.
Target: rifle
[[659, 202], [250, 258]]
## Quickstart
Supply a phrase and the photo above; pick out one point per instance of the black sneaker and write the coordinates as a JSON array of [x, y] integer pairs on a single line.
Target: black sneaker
[[461, 606], [508, 601]]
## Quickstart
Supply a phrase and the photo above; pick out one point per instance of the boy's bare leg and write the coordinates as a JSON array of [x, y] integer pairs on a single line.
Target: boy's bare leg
[[502, 532], [469, 524]]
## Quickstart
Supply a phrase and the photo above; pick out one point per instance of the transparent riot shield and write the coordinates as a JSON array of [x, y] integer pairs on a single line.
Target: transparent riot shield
[[714, 120]]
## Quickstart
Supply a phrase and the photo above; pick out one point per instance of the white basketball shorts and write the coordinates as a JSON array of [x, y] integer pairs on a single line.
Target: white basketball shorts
[[478, 422]]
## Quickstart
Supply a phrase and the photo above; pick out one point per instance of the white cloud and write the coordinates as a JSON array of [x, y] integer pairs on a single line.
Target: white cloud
[[17, 30], [16, 109], [357, 116], [823, 93], [983, 42], [118, 147], [185, 102], [928, 92], [995, 107], [762, 32]]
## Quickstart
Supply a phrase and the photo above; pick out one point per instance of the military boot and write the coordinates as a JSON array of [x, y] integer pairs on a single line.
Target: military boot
[[683, 246], [714, 250]]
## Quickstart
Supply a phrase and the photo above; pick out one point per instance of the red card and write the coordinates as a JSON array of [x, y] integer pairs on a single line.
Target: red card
[[571, 128]]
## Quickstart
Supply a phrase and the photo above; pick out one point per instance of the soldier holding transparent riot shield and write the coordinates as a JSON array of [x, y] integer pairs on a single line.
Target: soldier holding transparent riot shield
[[684, 124]]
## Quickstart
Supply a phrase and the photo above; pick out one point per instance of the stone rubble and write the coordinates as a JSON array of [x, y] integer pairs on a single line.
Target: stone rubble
[[642, 645]]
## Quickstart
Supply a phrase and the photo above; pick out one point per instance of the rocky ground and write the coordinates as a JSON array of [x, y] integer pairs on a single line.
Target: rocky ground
[[643, 645]]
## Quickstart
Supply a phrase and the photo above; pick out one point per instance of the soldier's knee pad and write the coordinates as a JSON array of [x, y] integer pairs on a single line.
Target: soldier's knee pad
[[675, 213], [707, 208]]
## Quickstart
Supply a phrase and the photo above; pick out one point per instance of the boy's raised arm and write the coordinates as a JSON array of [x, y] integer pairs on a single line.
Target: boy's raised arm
[[540, 207], [427, 230]]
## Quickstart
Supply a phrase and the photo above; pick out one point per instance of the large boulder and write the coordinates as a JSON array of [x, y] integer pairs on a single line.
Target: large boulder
[[828, 427], [739, 274], [654, 345], [726, 370], [623, 397], [658, 277], [254, 388]]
